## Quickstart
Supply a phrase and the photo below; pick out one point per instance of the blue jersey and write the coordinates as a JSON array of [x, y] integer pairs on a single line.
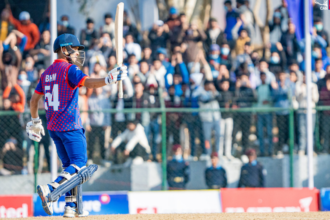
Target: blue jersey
[[59, 83]]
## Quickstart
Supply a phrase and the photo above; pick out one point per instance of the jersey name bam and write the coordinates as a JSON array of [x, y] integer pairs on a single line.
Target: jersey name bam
[[50, 78]]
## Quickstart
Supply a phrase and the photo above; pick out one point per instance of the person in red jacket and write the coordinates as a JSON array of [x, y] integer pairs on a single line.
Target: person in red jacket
[[16, 97], [29, 29]]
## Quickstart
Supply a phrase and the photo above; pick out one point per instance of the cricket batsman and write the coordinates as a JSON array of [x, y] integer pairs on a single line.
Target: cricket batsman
[[60, 85]]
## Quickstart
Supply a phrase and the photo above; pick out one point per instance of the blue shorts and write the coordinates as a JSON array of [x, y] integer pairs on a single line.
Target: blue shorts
[[71, 147]]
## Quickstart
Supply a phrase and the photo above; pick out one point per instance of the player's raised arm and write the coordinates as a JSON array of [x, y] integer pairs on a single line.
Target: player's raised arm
[[115, 75]]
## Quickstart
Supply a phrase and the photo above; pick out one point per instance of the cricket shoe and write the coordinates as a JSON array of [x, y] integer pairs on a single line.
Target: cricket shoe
[[71, 212], [43, 192]]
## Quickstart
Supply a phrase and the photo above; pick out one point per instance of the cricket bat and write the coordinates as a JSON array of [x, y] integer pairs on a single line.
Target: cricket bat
[[119, 42]]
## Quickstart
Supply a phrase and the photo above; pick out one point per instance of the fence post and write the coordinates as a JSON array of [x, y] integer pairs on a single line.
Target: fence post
[[164, 156], [36, 164], [291, 134]]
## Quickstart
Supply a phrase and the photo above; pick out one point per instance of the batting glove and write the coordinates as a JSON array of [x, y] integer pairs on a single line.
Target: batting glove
[[117, 74], [34, 128]]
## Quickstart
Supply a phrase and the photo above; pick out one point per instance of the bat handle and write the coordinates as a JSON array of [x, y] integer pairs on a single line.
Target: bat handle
[[120, 87]]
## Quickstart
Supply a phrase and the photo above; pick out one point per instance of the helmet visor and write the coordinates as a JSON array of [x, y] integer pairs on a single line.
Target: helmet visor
[[74, 56]]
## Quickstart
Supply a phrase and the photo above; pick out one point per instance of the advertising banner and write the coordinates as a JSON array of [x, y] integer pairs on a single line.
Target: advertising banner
[[201, 201], [16, 206], [270, 200], [97, 203], [325, 199]]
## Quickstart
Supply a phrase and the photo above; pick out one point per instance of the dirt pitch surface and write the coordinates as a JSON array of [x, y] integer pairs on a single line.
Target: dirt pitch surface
[[221, 216]]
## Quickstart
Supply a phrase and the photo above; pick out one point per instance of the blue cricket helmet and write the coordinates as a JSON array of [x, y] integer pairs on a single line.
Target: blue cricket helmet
[[67, 40]]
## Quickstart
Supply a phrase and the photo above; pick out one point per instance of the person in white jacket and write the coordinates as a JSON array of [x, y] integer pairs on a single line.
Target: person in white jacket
[[301, 97], [136, 141]]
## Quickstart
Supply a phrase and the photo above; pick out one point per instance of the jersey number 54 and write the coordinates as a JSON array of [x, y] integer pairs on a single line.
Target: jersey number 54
[[52, 98]]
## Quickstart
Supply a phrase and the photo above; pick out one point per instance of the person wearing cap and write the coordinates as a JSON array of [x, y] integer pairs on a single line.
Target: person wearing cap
[[172, 20], [214, 35], [89, 35], [215, 175], [59, 84], [210, 119], [252, 173], [158, 36], [214, 59], [135, 142], [27, 27], [178, 171], [162, 56]]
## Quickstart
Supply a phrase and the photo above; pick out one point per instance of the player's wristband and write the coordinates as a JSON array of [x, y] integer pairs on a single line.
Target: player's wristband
[[35, 119]]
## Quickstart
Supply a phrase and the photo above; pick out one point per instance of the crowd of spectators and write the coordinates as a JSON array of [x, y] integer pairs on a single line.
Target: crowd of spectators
[[186, 66]]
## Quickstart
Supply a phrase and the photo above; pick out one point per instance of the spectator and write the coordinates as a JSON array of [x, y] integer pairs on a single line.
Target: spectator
[[133, 67], [162, 56], [281, 98], [172, 20], [318, 24], [210, 120], [231, 19], [109, 25], [64, 27], [147, 55], [214, 60], [293, 66], [245, 96], [23, 82], [290, 43], [157, 75], [28, 28], [317, 12], [144, 69], [319, 72], [225, 56], [88, 36], [105, 44], [99, 122], [241, 40], [215, 176], [16, 96], [252, 174], [10, 62], [5, 26], [177, 28], [264, 91], [154, 125], [193, 120], [283, 9], [139, 100], [245, 57], [178, 171], [301, 95], [225, 100], [263, 67], [41, 53], [131, 47], [192, 39], [158, 36], [11, 41], [276, 27], [136, 143], [12, 156], [30, 69], [325, 122], [214, 35], [173, 119], [129, 28]]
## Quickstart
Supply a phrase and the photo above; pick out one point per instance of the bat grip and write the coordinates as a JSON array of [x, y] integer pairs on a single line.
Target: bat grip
[[120, 89]]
